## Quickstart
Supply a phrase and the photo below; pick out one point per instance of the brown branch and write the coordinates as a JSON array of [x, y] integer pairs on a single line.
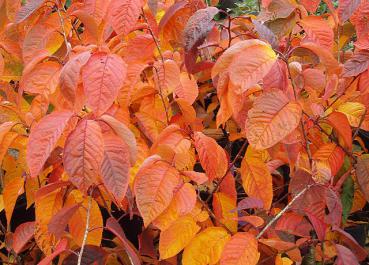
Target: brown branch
[[285, 209], [86, 228], [212, 215]]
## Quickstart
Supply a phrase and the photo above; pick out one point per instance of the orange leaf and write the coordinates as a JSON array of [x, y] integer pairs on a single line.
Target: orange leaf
[[257, 180], [247, 62], [318, 31], [115, 166], [154, 186], [70, 75], [224, 210], [83, 154], [341, 124], [124, 133], [271, 119], [10, 194], [28, 9], [241, 249], [212, 156], [103, 76], [43, 138], [171, 242], [123, 15], [43, 79], [77, 222]]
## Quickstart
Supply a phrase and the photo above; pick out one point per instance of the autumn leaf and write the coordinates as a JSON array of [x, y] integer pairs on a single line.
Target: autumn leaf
[[103, 75], [214, 238], [83, 154], [198, 27], [115, 166], [77, 222], [10, 195], [212, 157], [154, 186], [247, 62], [123, 15], [23, 233], [171, 243], [43, 138], [257, 180], [242, 248], [271, 119], [317, 30], [362, 173]]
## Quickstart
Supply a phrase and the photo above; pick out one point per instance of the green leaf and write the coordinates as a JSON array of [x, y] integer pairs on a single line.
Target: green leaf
[[347, 198]]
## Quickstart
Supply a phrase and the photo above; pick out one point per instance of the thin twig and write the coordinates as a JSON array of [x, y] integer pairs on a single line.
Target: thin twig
[[358, 127], [161, 94], [285, 209], [228, 169], [308, 151], [212, 215], [152, 34], [63, 30], [86, 228]]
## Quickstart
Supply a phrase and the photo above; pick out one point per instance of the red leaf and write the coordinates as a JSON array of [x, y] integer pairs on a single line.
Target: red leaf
[[319, 225], [22, 235], [123, 15], [349, 241], [362, 173], [294, 224], [113, 226], [357, 64], [83, 154], [60, 220], [346, 8], [43, 138], [115, 166], [345, 256], [103, 76], [250, 203], [62, 245]]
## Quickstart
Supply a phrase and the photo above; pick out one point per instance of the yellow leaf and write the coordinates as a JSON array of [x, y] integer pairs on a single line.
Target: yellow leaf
[[206, 247], [353, 111], [172, 241], [282, 261]]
